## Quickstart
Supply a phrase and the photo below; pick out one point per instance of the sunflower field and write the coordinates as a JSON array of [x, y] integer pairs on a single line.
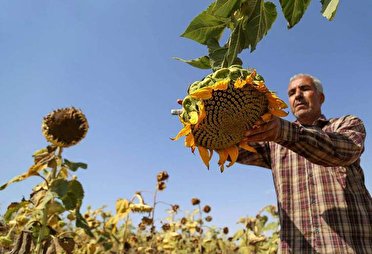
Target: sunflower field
[[51, 219]]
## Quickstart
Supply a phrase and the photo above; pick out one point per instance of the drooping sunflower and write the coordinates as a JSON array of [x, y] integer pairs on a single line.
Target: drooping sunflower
[[221, 107], [65, 127]]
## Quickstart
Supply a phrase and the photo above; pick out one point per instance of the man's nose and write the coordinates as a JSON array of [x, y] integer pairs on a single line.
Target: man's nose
[[298, 94]]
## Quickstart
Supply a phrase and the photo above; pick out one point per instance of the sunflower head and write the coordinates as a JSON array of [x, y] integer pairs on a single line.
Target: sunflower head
[[221, 107], [65, 127]]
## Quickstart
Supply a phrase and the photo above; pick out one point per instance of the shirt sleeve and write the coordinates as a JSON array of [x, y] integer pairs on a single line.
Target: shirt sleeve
[[261, 158], [339, 145]]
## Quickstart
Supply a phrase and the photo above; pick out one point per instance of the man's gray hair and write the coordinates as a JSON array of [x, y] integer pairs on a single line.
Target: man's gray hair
[[317, 83]]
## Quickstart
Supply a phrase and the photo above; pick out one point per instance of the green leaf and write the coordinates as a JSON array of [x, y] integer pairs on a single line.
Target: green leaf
[[259, 23], [236, 44], [223, 8], [82, 223], [69, 201], [293, 10], [75, 187], [205, 26], [74, 195], [329, 8], [201, 62], [73, 166], [271, 226], [60, 187], [13, 208]]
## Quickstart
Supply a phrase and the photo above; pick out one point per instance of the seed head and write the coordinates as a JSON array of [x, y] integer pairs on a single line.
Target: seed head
[[225, 230], [175, 208], [65, 127], [183, 221], [207, 209], [195, 201], [162, 176], [165, 226], [208, 218], [161, 186]]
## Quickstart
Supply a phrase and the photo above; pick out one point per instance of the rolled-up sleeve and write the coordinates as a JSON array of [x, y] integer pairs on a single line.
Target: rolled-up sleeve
[[338, 144]]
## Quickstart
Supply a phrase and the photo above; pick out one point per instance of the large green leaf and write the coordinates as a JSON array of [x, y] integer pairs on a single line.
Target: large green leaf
[[204, 27], [329, 8], [201, 62], [259, 23], [293, 10]]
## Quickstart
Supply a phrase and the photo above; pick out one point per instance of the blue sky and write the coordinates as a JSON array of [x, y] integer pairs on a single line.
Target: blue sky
[[113, 60]]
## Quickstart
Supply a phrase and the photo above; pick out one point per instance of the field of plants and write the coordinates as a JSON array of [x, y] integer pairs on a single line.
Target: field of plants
[[51, 220]]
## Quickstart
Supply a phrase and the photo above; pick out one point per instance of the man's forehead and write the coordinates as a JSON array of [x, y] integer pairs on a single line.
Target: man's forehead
[[300, 82]]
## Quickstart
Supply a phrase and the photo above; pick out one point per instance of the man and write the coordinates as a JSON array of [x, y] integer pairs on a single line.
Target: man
[[324, 206]]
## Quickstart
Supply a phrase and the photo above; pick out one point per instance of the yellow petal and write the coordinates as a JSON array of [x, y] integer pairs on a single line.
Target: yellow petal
[[233, 152], [202, 93], [250, 78], [190, 141], [223, 157], [205, 155], [278, 112], [193, 117], [247, 147], [260, 86], [221, 85], [266, 117], [185, 130], [275, 101], [239, 83]]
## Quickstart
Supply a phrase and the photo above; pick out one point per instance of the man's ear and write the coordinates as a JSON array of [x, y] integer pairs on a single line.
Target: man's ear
[[322, 98]]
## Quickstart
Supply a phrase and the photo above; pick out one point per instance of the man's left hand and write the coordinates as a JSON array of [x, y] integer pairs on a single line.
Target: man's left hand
[[264, 130]]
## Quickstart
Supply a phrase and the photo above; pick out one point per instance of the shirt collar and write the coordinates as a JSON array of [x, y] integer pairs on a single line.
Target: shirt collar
[[320, 122]]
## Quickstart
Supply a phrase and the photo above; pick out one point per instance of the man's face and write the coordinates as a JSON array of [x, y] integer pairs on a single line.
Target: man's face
[[304, 99]]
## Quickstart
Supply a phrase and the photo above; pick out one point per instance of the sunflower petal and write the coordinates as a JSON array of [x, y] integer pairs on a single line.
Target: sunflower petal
[[233, 152], [221, 85], [239, 83], [202, 93], [266, 117], [260, 86], [205, 155], [223, 157], [190, 141], [278, 112], [193, 117], [247, 147], [183, 132]]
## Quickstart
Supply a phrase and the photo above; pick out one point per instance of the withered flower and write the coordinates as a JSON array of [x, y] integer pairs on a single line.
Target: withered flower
[[165, 226], [183, 221], [161, 186], [208, 218], [225, 230], [175, 208], [195, 201], [65, 127], [207, 209], [162, 176]]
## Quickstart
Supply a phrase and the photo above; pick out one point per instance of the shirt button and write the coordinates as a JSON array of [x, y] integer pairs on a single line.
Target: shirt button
[[310, 174], [313, 201], [316, 230]]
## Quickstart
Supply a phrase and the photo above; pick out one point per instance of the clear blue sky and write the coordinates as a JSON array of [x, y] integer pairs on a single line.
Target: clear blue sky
[[113, 60]]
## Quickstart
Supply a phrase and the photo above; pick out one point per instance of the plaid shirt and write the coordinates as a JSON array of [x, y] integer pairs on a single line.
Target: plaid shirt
[[324, 206]]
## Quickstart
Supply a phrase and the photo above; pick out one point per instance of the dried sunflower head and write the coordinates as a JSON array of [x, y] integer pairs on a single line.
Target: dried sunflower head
[[65, 127], [220, 108]]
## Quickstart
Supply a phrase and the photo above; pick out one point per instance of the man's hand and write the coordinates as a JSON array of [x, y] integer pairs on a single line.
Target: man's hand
[[264, 130]]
